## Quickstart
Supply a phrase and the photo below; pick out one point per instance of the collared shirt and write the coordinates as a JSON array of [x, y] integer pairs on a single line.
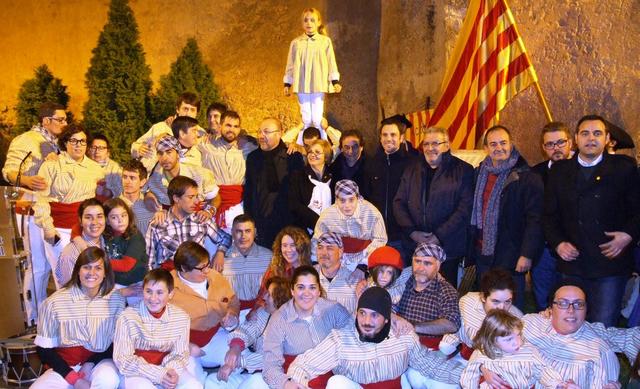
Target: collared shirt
[[142, 215], [226, 161], [472, 314], [158, 183], [523, 369], [68, 181], [439, 300], [70, 318], [31, 141], [339, 289], [138, 330], [244, 272], [68, 258], [366, 223], [288, 334], [593, 163], [163, 239], [582, 356], [368, 362], [251, 332]]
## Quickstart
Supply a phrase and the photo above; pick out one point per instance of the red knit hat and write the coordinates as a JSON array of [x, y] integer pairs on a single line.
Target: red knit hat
[[385, 255]]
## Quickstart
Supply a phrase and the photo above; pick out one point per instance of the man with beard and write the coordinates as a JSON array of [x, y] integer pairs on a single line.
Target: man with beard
[[335, 278], [226, 157], [367, 354], [214, 118]]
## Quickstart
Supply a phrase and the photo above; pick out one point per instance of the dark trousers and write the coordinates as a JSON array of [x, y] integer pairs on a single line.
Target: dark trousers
[[544, 278]]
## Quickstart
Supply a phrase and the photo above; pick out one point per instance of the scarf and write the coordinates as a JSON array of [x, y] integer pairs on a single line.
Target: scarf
[[489, 224], [47, 136]]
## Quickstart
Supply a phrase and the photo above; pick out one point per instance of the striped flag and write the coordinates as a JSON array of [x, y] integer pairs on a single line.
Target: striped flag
[[420, 122], [488, 67]]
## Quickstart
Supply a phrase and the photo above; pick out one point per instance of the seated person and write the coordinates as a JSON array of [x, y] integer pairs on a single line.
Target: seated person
[[335, 278], [385, 267]]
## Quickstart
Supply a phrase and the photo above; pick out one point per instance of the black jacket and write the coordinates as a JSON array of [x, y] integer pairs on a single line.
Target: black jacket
[[300, 191], [542, 169], [269, 209], [449, 202], [338, 172], [519, 225], [382, 176], [580, 211]]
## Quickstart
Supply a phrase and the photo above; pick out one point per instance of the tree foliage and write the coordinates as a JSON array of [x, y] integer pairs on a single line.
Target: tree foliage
[[118, 82], [188, 74], [43, 87]]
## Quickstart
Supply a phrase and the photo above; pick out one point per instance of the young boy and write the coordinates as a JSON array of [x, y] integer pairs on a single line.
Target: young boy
[[151, 344]]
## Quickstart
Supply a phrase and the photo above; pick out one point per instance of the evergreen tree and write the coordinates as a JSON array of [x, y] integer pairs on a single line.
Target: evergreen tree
[[118, 82], [188, 74], [42, 88]]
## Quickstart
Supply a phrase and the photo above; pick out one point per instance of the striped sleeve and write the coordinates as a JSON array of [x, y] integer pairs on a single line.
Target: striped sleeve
[[251, 329], [272, 372], [178, 358], [218, 236], [434, 364], [547, 375], [48, 326], [621, 340], [66, 262], [470, 377], [316, 361]]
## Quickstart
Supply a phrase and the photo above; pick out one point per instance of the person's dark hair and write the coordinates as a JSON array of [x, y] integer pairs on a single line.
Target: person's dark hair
[[48, 109], [376, 270], [555, 127], [229, 114], [352, 133], [243, 218], [495, 128], [189, 98], [310, 133], [109, 206], [159, 275], [91, 255], [563, 283], [102, 137], [307, 270], [182, 124], [134, 165], [282, 292], [587, 118], [216, 107], [496, 279], [179, 185], [395, 121], [189, 255], [92, 202], [68, 132]]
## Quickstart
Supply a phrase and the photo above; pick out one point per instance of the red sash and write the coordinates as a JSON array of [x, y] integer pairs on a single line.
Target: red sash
[[388, 384], [465, 352], [167, 265], [202, 338], [64, 215], [75, 355], [430, 341], [153, 357], [354, 245], [230, 195], [508, 387], [247, 304], [320, 382]]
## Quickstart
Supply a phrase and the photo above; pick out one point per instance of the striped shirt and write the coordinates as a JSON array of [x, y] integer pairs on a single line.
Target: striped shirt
[[339, 289], [68, 182], [367, 362], [31, 141], [621, 340], [472, 314], [366, 223], [138, 330], [68, 258], [288, 334], [158, 183], [582, 356], [142, 215], [439, 300], [251, 332], [244, 272], [226, 161], [163, 239], [70, 318], [523, 369]]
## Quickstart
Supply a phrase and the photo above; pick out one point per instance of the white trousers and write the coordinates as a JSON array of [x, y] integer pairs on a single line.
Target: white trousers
[[53, 252], [214, 353], [186, 381], [342, 382], [418, 381], [311, 109], [103, 376], [236, 380], [36, 275]]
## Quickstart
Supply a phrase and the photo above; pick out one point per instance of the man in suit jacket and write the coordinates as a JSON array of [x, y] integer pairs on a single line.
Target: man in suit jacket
[[592, 218]]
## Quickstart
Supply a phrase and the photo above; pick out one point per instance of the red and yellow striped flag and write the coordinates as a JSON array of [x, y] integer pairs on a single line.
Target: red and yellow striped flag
[[488, 67], [420, 122]]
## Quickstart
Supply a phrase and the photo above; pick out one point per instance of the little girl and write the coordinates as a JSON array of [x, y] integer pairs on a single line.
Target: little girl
[[385, 266], [311, 69], [501, 350]]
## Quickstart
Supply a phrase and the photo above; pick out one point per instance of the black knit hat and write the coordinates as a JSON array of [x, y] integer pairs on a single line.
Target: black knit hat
[[377, 299]]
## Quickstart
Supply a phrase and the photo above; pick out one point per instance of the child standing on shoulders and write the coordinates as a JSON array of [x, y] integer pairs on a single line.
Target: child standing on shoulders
[[311, 69]]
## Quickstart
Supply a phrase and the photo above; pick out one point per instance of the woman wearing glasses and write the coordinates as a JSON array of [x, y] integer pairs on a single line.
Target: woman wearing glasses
[[310, 189], [71, 179]]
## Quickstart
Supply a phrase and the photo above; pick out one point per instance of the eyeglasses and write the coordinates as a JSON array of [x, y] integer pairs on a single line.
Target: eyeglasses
[[577, 305], [203, 267], [265, 132], [559, 143], [57, 119], [98, 148], [431, 145], [76, 142]]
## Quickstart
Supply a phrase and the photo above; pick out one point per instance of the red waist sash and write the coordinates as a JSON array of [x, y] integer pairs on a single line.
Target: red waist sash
[[465, 352], [167, 265], [202, 338], [153, 357], [247, 304], [230, 195], [320, 382], [430, 341], [388, 384], [354, 245], [64, 215], [75, 355]]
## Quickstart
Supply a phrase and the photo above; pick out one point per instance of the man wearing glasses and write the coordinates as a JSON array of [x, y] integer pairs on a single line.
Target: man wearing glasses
[[266, 185], [433, 202], [557, 145]]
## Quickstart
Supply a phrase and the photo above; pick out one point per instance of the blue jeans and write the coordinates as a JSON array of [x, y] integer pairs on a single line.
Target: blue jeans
[[544, 278], [483, 267], [604, 297]]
